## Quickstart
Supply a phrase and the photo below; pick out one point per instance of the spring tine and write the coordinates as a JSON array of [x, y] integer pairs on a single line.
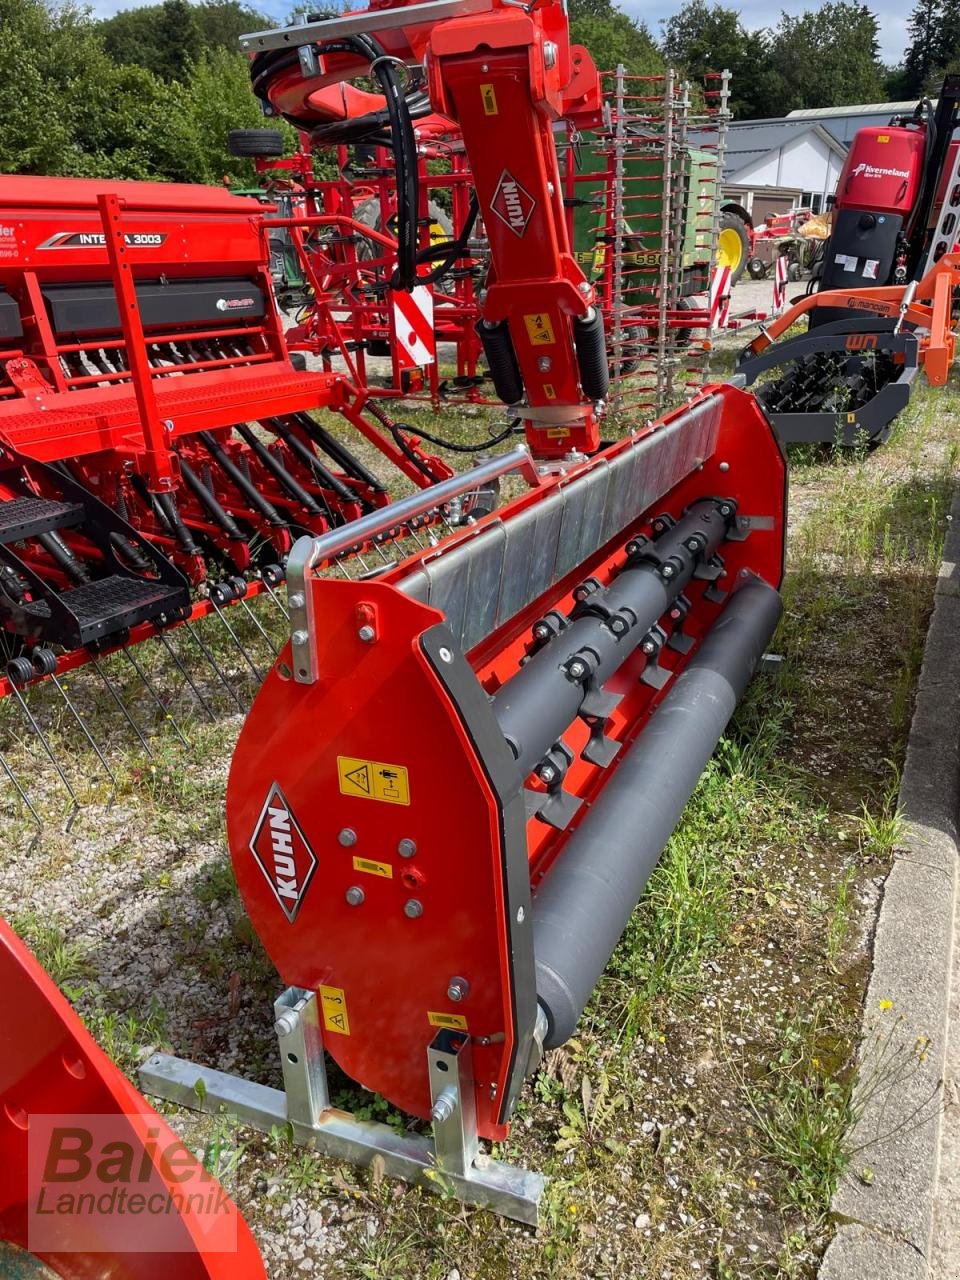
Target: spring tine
[[275, 598], [340, 565], [20, 792], [258, 675], [108, 685], [256, 622], [204, 649], [43, 738], [185, 673], [83, 729], [153, 693]]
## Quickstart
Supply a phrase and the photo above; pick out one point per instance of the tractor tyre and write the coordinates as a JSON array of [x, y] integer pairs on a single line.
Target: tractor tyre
[[255, 142], [756, 268], [733, 245]]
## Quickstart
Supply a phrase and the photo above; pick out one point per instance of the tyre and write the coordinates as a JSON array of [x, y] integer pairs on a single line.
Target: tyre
[[756, 268], [793, 271], [733, 245], [255, 142]]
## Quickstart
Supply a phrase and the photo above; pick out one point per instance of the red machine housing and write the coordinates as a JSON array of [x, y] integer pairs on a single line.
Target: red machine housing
[[883, 170], [50, 1065]]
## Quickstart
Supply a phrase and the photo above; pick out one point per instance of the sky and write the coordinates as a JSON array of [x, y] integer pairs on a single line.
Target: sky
[[754, 14]]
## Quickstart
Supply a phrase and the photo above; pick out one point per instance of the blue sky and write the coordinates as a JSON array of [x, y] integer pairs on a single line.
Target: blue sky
[[754, 13]]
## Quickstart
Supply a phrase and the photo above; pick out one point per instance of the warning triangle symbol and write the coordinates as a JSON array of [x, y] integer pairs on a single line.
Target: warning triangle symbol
[[337, 1020], [360, 778]]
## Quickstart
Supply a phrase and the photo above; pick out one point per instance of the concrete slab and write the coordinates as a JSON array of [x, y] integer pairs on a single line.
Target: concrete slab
[[889, 1218]]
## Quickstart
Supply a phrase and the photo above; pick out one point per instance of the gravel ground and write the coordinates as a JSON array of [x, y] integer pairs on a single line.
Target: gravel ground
[[695, 1125]]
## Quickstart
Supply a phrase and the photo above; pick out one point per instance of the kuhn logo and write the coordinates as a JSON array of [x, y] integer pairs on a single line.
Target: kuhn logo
[[234, 304], [512, 204], [871, 171], [283, 853]]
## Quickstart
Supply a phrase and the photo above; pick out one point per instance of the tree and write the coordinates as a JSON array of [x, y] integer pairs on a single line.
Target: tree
[[703, 37], [178, 39], [924, 50], [612, 37], [828, 57]]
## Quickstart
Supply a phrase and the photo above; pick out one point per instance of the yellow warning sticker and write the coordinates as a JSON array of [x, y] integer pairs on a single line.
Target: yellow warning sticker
[[489, 96], [539, 329], [883, 137], [373, 780], [334, 1005], [557, 433], [372, 868], [851, 417], [548, 391], [456, 1021]]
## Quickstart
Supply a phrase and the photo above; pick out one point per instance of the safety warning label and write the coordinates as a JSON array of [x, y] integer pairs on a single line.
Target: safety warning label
[[382, 869], [489, 96], [373, 780], [539, 329], [334, 1005], [456, 1021]]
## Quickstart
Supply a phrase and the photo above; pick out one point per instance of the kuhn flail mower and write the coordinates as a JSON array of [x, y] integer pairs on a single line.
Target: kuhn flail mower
[[883, 307], [159, 452], [458, 776]]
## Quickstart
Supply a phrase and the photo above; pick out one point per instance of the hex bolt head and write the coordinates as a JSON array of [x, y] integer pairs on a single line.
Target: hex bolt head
[[413, 908], [300, 637], [724, 466], [445, 655], [286, 1024], [297, 600], [577, 669], [407, 847], [367, 634], [347, 837], [458, 989], [648, 647], [547, 773], [667, 571], [354, 895]]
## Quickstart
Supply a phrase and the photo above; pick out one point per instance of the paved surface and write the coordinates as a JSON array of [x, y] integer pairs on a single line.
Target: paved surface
[[890, 1217]]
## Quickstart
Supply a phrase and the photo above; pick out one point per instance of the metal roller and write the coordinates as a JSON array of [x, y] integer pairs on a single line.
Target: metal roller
[[587, 898]]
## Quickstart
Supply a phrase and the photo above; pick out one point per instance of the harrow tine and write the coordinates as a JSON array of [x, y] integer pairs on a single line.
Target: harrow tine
[[172, 653], [258, 675], [275, 598], [153, 693], [21, 792], [46, 746], [81, 725], [256, 622], [205, 650], [108, 685]]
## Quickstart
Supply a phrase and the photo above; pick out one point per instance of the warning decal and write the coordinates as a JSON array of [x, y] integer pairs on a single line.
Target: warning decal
[[539, 330], [456, 1021], [373, 780], [334, 1005], [489, 96], [382, 869]]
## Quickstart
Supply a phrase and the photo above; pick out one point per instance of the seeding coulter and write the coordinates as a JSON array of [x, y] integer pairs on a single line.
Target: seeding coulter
[[882, 307], [460, 772]]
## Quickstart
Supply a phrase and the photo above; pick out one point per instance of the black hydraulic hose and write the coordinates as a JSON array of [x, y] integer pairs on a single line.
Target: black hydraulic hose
[[324, 477], [453, 446], [288, 483], [240, 481], [339, 452], [589, 894]]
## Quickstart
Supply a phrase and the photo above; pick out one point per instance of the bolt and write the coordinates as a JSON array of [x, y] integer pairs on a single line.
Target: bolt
[[354, 895], [584, 286], [577, 669], [347, 837], [544, 364], [724, 466], [413, 908], [549, 54], [648, 646], [297, 600], [484, 68], [458, 989], [550, 188], [444, 1106], [286, 1024], [541, 631], [445, 655], [667, 571], [367, 634], [407, 848], [547, 773], [300, 637]]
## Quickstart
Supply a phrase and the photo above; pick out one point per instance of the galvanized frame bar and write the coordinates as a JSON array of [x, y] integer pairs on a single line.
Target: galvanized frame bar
[[451, 1164]]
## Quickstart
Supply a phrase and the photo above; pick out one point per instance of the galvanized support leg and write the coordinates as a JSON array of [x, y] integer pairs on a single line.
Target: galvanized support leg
[[452, 1162]]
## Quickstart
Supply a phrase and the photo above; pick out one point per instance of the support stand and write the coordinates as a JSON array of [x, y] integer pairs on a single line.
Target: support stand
[[452, 1163]]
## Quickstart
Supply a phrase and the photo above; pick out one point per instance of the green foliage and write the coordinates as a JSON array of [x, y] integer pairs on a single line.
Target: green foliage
[[143, 36], [703, 37], [612, 37], [828, 56]]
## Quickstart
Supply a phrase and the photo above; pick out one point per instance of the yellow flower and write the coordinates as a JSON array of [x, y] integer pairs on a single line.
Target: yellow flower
[[571, 1209], [886, 1004]]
